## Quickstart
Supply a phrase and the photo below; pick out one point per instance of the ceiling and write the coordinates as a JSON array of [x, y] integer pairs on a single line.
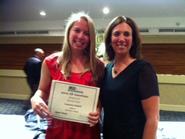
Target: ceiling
[[28, 10]]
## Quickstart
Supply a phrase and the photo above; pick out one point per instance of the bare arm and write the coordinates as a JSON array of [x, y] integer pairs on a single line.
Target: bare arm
[[94, 117], [38, 101], [151, 110]]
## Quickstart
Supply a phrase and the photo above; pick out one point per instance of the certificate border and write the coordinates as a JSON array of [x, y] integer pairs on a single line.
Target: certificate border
[[53, 87]]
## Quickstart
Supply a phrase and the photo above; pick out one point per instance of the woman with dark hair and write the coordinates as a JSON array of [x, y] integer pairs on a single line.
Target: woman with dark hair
[[130, 94]]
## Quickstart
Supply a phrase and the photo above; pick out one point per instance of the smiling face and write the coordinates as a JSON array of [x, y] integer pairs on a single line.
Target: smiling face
[[121, 38], [79, 35]]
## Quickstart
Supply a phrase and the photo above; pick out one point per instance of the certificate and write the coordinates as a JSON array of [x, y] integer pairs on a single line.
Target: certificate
[[72, 102]]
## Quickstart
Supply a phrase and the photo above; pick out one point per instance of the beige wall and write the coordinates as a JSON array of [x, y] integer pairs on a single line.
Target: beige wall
[[172, 92], [13, 85]]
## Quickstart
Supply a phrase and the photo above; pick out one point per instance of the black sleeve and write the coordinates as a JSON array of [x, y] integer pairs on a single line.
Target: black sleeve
[[148, 83], [25, 68]]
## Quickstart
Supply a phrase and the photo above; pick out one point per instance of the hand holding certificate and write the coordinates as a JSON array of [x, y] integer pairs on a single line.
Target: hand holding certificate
[[72, 102]]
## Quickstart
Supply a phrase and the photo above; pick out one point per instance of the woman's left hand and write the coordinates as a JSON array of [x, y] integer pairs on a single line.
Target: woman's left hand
[[93, 118]]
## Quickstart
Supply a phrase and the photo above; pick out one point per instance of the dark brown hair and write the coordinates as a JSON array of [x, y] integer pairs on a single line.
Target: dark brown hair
[[136, 41]]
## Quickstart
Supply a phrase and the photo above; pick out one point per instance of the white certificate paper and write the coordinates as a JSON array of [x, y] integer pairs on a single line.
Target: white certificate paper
[[72, 102]]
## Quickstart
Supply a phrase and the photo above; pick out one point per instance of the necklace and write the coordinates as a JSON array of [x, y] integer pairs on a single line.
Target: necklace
[[114, 70]]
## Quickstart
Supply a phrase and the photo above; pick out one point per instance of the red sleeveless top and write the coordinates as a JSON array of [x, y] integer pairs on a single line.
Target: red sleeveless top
[[59, 129]]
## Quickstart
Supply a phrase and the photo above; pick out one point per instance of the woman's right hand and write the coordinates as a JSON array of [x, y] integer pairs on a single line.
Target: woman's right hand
[[40, 107]]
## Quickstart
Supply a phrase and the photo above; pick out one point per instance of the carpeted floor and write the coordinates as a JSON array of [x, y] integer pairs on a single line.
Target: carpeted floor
[[8, 106], [172, 116]]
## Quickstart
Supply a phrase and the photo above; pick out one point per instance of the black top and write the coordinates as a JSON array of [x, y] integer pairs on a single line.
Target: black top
[[121, 99], [32, 68]]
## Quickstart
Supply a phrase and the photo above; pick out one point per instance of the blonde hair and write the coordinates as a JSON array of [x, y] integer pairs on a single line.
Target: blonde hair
[[89, 52]]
